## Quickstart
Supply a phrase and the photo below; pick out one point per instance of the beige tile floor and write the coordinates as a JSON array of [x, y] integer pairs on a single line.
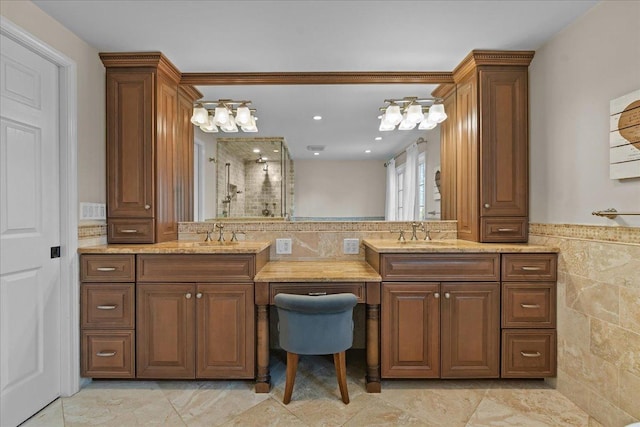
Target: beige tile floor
[[315, 402]]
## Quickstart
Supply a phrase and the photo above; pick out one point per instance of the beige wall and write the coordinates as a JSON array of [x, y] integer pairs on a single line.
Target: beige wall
[[572, 80], [327, 188], [91, 101]]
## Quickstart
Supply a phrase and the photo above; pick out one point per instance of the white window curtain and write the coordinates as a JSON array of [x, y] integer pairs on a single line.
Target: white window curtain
[[391, 203], [411, 206]]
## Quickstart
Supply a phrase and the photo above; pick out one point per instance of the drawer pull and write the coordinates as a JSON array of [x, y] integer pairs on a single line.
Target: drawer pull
[[106, 353], [317, 294], [530, 305], [527, 268], [525, 354], [107, 307], [129, 230], [504, 230], [106, 269]]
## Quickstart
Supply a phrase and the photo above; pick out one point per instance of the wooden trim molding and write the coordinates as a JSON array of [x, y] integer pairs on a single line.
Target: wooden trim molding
[[141, 59], [444, 90], [318, 78], [477, 58], [191, 92]]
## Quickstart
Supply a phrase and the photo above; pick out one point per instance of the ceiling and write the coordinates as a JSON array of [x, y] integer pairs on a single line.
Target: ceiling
[[285, 36]]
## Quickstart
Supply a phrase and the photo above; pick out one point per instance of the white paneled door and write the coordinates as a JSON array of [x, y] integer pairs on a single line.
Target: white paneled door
[[29, 228]]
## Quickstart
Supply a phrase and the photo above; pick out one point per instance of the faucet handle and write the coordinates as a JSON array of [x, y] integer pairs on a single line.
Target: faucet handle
[[208, 238], [401, 237], [427, 235], [234, 235]]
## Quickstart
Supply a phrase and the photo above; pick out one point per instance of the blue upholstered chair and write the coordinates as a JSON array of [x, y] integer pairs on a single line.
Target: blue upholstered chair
[[316, 325]]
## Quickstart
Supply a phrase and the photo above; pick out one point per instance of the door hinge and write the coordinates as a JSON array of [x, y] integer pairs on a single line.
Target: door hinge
[[55, 251]]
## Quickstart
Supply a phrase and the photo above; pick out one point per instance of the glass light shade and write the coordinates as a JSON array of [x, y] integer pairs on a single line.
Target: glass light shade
[[414, 113], [393, 114], [385, 126], [405, 124], [437, 114], [243, 115], [221, 116], [210, 127], [200, 116], [427, 124], [251, 126], [230, 126]]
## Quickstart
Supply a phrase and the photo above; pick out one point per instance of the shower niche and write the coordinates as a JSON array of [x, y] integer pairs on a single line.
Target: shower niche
[[254, 178]]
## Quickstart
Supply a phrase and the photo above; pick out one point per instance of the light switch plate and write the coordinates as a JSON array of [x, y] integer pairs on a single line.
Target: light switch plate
[[351, 246], [93, 211], [283, 246]]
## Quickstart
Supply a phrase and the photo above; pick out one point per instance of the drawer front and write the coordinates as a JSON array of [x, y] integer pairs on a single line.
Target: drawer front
[[528, 353], [528, 305], [440, 267], [499, 230], [357, 289], [196, 268], [107, 268], [107, 354], [130, 231], [107, 306], [527, 267]]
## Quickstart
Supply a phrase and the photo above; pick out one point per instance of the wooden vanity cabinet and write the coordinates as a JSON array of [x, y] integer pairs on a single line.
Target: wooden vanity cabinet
[[192, 329], [148, 146], [445, 328], [492, 177]]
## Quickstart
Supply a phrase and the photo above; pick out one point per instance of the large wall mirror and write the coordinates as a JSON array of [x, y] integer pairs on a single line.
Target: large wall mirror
[[327, 169]]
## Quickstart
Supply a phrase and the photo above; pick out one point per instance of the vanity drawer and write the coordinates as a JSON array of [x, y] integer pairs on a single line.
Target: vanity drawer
[[195, 268], [528, 353], [527, 267], [107, 354], [107, 306], [528, 305], [107, 268], [499, 230], [356, 288], [440, 267], [130, 231]]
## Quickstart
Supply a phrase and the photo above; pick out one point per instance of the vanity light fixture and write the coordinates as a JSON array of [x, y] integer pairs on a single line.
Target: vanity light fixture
[[225, 114], [410, 111]]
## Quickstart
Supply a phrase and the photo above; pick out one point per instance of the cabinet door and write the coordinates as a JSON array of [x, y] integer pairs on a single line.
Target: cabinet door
[[410, 330], [165, 330], [184, 158], [226, 331], [130, 144], [504, 142], [470, 330]]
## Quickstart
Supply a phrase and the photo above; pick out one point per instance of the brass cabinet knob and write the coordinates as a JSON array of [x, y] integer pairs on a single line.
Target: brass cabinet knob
[[188, 295]]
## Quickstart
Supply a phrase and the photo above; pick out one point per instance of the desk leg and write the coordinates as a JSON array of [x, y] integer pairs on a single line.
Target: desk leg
[[373, 348], [263, 378]]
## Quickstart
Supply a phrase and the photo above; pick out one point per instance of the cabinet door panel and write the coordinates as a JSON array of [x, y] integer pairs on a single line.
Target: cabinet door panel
[[165, 324], [130, 144], [470, 338], [410, 330], [504, 142], [225, 331]]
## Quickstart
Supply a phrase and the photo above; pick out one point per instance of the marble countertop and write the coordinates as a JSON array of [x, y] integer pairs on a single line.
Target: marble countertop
[[317, 271], [453, 245], [179, 247]]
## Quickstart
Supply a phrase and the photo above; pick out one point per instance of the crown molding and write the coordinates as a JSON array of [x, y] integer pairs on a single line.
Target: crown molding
[[477, 58], [141, 59]]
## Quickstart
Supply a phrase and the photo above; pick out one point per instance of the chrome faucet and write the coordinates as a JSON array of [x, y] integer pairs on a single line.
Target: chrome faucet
[[220, 227]]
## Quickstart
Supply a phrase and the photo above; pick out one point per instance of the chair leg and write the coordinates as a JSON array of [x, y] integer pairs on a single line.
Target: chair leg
[[340, 360], [292, 367]]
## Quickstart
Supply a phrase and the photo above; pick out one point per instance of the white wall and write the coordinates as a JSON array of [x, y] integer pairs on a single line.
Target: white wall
[[572, 80], [327, 188], [91, 93]]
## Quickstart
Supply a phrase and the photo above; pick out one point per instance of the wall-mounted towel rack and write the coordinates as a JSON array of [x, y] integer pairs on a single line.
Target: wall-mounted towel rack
[[611, 213]]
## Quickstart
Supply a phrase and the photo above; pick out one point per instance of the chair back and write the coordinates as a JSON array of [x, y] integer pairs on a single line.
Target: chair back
[[315, 324]]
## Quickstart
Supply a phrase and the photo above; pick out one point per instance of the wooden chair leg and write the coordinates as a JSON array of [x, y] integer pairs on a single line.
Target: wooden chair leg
[[292, 367], [340, 361]]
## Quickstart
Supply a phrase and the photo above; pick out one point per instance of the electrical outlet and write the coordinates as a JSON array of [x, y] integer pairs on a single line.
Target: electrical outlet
[[351, 246], [283, 246]]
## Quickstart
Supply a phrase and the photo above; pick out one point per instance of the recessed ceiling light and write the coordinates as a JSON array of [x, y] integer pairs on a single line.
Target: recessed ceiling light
[[316, 154], [276, 151], [255, 150], [378, 138], [317, 117], [367, 151]]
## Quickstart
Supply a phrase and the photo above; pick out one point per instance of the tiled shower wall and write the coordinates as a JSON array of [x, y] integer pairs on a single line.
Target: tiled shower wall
[[598, 318]]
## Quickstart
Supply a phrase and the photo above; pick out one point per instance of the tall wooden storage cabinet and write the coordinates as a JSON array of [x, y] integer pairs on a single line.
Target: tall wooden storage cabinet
[[148, 169], [492, 158]]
